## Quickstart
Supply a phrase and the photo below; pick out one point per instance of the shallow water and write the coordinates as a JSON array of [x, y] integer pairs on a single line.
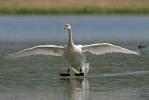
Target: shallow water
[[111, 76]]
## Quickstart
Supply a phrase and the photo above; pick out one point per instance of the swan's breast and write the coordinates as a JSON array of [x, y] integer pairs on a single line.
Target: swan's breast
[[74, 55]]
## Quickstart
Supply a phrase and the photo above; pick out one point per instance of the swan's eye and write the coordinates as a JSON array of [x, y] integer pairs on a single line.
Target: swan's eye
[[66, 27]]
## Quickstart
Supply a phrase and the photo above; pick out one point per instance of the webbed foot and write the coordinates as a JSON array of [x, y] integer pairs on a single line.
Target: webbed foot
[[64, 74], [79, 74]]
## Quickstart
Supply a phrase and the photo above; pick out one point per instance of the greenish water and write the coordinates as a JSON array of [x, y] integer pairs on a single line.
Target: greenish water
[[111, 76]]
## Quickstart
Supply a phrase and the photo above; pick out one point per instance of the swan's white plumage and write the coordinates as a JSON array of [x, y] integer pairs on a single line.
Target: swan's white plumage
[[102, 48], [74, 54], [39, 50]]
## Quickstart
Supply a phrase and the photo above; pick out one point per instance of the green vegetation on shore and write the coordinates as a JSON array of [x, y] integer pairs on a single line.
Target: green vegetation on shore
[[85, 10]]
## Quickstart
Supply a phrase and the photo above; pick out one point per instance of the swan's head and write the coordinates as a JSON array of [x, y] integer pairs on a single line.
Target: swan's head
[[67, 27]]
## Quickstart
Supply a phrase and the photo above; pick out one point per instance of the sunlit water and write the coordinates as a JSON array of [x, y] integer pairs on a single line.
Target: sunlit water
[[111, 76]]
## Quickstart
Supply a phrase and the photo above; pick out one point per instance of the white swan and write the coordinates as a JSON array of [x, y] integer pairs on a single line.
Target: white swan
[[74, 54]]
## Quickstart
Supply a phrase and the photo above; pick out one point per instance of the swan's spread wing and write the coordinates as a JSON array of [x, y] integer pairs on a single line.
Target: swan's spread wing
[[103, 48], [42, 49]]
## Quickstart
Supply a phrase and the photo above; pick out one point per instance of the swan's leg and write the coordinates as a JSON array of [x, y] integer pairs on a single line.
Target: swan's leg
[[80, 70], [68, 71], [66, 74], [80, 74]]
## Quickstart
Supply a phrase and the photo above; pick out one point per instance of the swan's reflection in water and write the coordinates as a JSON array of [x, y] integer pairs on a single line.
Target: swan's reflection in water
[[79, 89], [76, 89]]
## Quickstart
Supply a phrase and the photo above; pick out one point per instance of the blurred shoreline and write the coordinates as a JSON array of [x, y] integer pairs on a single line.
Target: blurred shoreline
[[74, 3], [74, 7], [71, 10]]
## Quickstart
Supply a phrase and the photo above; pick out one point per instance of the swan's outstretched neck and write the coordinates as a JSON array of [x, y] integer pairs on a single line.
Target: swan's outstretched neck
[[70, 38]]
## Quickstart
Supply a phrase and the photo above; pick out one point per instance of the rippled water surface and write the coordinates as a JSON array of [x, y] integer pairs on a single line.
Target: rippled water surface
[[111, 76]]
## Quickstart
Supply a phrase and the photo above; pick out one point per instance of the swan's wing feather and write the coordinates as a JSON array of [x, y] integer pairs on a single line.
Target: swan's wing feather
[[102, 48], [39, 50]]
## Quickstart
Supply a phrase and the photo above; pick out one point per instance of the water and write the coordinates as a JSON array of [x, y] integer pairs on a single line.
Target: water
[[52, 27], [111, 76]]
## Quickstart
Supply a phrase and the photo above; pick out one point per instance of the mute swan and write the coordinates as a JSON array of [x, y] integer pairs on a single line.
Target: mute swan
[[74, 54]]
